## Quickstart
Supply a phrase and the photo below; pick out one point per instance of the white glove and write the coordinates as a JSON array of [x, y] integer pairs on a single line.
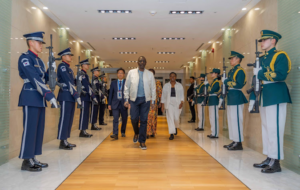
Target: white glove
[[251, 104], [78, 101], [53, 65], [193, 102], [205, 82], [103, 101], [95, 100], [255, 70], [220, 102], [54, 102], [223, 79]]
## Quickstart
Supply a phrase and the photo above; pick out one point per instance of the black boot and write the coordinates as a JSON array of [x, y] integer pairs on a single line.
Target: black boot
[[29, 165], [176, 131], [229, 145], [263, 164], [94, 127], [65, 145], [199, 129], [40, 164], [236, 146], [274, 166], [171, 137], [83, 133], [191, 121], [103, 123]]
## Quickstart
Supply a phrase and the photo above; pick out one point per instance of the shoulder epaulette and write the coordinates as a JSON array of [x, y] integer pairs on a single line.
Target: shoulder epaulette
[[25, 53], [278, 50]]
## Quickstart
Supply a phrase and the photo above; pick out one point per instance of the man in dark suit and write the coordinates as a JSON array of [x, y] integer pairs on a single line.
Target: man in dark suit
[[116, 103], [190, 92]]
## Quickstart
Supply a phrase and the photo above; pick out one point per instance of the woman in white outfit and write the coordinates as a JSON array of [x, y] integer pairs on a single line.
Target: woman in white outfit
[[172, 101]]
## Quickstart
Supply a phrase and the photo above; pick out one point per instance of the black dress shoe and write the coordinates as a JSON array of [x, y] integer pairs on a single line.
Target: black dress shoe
[[176, 131], [275, 167], [229, 145], [196, 128], [123, 135], [83, 133], [152, 135], [29, 165], [40, 164], [71, 145], [65, 145], [135, 138], [143, 146], [199, 129], [236, 146], [114, 136], [103, 123], [148, 136], [95, 128], [212, 137], [171, 137], [263, 164], [191, 121]]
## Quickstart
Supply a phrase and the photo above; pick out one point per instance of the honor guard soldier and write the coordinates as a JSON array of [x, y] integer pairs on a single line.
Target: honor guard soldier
[[103, 97], [198, 99], [213, 102], [67, 97], [86, 100], [235, 101], [95, 107], [275, 66], [33, 100]]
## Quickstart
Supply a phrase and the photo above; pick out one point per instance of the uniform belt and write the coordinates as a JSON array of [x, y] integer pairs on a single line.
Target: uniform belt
[[268, 82], [213, 95], [64, 85], [199, 95], [26, 81], [235, 89]]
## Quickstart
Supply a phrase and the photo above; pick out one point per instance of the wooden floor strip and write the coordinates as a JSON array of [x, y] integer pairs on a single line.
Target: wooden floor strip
[[177, 164]]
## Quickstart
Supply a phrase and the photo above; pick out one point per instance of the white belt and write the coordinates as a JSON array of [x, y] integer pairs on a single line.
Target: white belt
[[26, 81], [269, 82], [63, 84], [212, 94], [235, 89]]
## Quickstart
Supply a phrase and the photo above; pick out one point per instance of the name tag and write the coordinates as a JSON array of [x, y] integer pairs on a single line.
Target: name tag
[[119, 94]]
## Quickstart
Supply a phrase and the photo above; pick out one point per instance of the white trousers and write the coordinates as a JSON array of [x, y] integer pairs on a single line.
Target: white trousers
[[214, 120], [235, 122], [201, 116], [173, 113], [273, 123]]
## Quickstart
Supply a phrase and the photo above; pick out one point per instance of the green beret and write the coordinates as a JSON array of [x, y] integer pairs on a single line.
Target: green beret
[[235, 54], [215, 70], [268, 34]]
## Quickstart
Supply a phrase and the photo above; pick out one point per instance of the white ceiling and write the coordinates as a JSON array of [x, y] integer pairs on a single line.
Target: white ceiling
[[83, 19]]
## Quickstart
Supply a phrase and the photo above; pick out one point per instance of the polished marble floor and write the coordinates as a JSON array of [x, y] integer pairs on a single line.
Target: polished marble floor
[[63, 163]]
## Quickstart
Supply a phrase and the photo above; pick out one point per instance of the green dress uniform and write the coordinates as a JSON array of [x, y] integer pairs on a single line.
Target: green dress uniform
[[198, 99], [275, 66], [213, 102], [235, 103]]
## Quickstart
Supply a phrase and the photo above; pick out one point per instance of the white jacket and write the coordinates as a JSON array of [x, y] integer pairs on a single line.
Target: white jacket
[[132, 82], [166, 94]]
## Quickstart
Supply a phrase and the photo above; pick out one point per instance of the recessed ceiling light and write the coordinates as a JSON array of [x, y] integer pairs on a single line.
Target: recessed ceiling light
[[178, 38], [223, 28], [185, 12], [68, 28], [81, 41], [256, 9], [45, 7], [128, 52], [165, 52], [114, 11], [209, 42], [194, 57], [299, 12], [217, 42], [74, 41], [123, 38], [33, 7], [228, 28], [244, 9]]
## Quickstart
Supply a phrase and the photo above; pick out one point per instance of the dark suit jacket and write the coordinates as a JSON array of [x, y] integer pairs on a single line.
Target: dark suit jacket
[[113, 100], [190, 91]]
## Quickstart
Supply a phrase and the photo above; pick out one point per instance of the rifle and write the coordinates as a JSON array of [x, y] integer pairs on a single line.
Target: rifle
[[223, 93], [94, 88], [256, 83], [52, 74], [205, 91], [79, 86]]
